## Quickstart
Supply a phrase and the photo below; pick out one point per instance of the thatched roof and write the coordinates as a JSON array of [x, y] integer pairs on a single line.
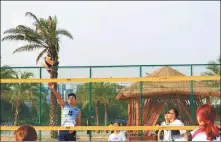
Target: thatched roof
[[167, 88]]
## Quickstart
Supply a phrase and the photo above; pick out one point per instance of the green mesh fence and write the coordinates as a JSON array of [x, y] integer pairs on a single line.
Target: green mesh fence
[[32, 101]]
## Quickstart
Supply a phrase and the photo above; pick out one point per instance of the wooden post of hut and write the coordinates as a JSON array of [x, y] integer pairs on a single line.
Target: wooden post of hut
[[137, 112]]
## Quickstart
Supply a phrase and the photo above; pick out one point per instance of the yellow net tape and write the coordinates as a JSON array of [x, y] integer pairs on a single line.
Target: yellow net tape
[[132, 79], [48, 128]]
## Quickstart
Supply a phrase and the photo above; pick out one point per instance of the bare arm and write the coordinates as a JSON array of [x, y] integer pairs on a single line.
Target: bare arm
[[158, 135], [79, 120], [184, 132], [57, 95], [186, 136]]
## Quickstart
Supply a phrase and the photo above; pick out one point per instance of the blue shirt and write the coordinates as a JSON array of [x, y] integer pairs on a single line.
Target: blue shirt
[[69, 115]]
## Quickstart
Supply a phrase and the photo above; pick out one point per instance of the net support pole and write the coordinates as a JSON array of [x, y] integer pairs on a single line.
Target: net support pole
[[192, 106], [90, 101], [40, 104], [141, 102]]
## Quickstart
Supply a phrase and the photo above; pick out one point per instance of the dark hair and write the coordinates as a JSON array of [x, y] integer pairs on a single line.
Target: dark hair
[[72, 94], [176, 112], [26, 133]]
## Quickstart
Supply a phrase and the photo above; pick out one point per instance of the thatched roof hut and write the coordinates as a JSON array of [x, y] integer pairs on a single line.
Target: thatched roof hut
[[158, 94]]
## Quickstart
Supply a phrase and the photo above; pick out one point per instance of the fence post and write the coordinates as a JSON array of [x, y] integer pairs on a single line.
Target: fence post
[[141, 103], [40, 105], [192, 106], [90, 101]]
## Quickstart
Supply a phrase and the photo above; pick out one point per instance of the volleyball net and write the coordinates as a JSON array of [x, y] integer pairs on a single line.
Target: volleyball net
[[137, 103]]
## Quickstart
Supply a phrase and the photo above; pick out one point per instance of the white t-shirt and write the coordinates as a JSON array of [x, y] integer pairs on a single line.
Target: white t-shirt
[[123, 131], [167, 133], [117, 137], [202, 136]]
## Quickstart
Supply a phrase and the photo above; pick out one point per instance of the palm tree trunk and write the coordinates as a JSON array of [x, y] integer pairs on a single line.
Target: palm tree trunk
[[53, 105], [17, 111], [105, 114], [97, 113]]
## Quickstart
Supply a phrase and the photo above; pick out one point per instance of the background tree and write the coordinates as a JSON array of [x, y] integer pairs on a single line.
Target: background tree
[[30, 93], [20, 92], [213, 69], [103, 100], [6, 73], [45, 36]]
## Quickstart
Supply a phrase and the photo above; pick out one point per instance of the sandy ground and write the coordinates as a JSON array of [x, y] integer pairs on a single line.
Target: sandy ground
[[82, 138]]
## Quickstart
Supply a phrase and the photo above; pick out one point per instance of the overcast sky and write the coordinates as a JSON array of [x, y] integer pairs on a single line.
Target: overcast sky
[[115, 33]]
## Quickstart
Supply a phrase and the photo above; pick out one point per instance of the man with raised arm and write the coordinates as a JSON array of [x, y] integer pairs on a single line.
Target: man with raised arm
[[70, 114]]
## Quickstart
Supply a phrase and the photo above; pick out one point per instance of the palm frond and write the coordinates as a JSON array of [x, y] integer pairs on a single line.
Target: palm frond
[[43, 30], [7, 72], [22, 30], [44, 23], [25, 75], [31, 35], [41, 54], [32, 16], [212, 62], [43, 27], [17, 75], [54, 23], [13, 37], [214, 69], [12, 31], [29, 47], [64, 32], [208, 73], [25, 37], [28, 31], [50, 22]]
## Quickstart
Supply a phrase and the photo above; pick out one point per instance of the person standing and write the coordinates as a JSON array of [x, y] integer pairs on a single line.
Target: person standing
[[70, 115], [171, 119]]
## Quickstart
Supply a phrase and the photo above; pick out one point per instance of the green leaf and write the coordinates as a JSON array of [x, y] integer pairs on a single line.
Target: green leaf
[[13, 37], [64, 32], [29, 47], [41, 54]]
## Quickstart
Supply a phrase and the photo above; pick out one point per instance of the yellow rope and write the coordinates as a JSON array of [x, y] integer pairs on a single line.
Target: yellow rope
[[132, 79], [48, 128]]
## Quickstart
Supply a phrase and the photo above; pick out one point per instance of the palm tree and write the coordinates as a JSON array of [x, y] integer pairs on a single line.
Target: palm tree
[[213, 69], [45, 37], [107, 96], [34, 98], [6, 73], [21, 92], [103, 93]]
